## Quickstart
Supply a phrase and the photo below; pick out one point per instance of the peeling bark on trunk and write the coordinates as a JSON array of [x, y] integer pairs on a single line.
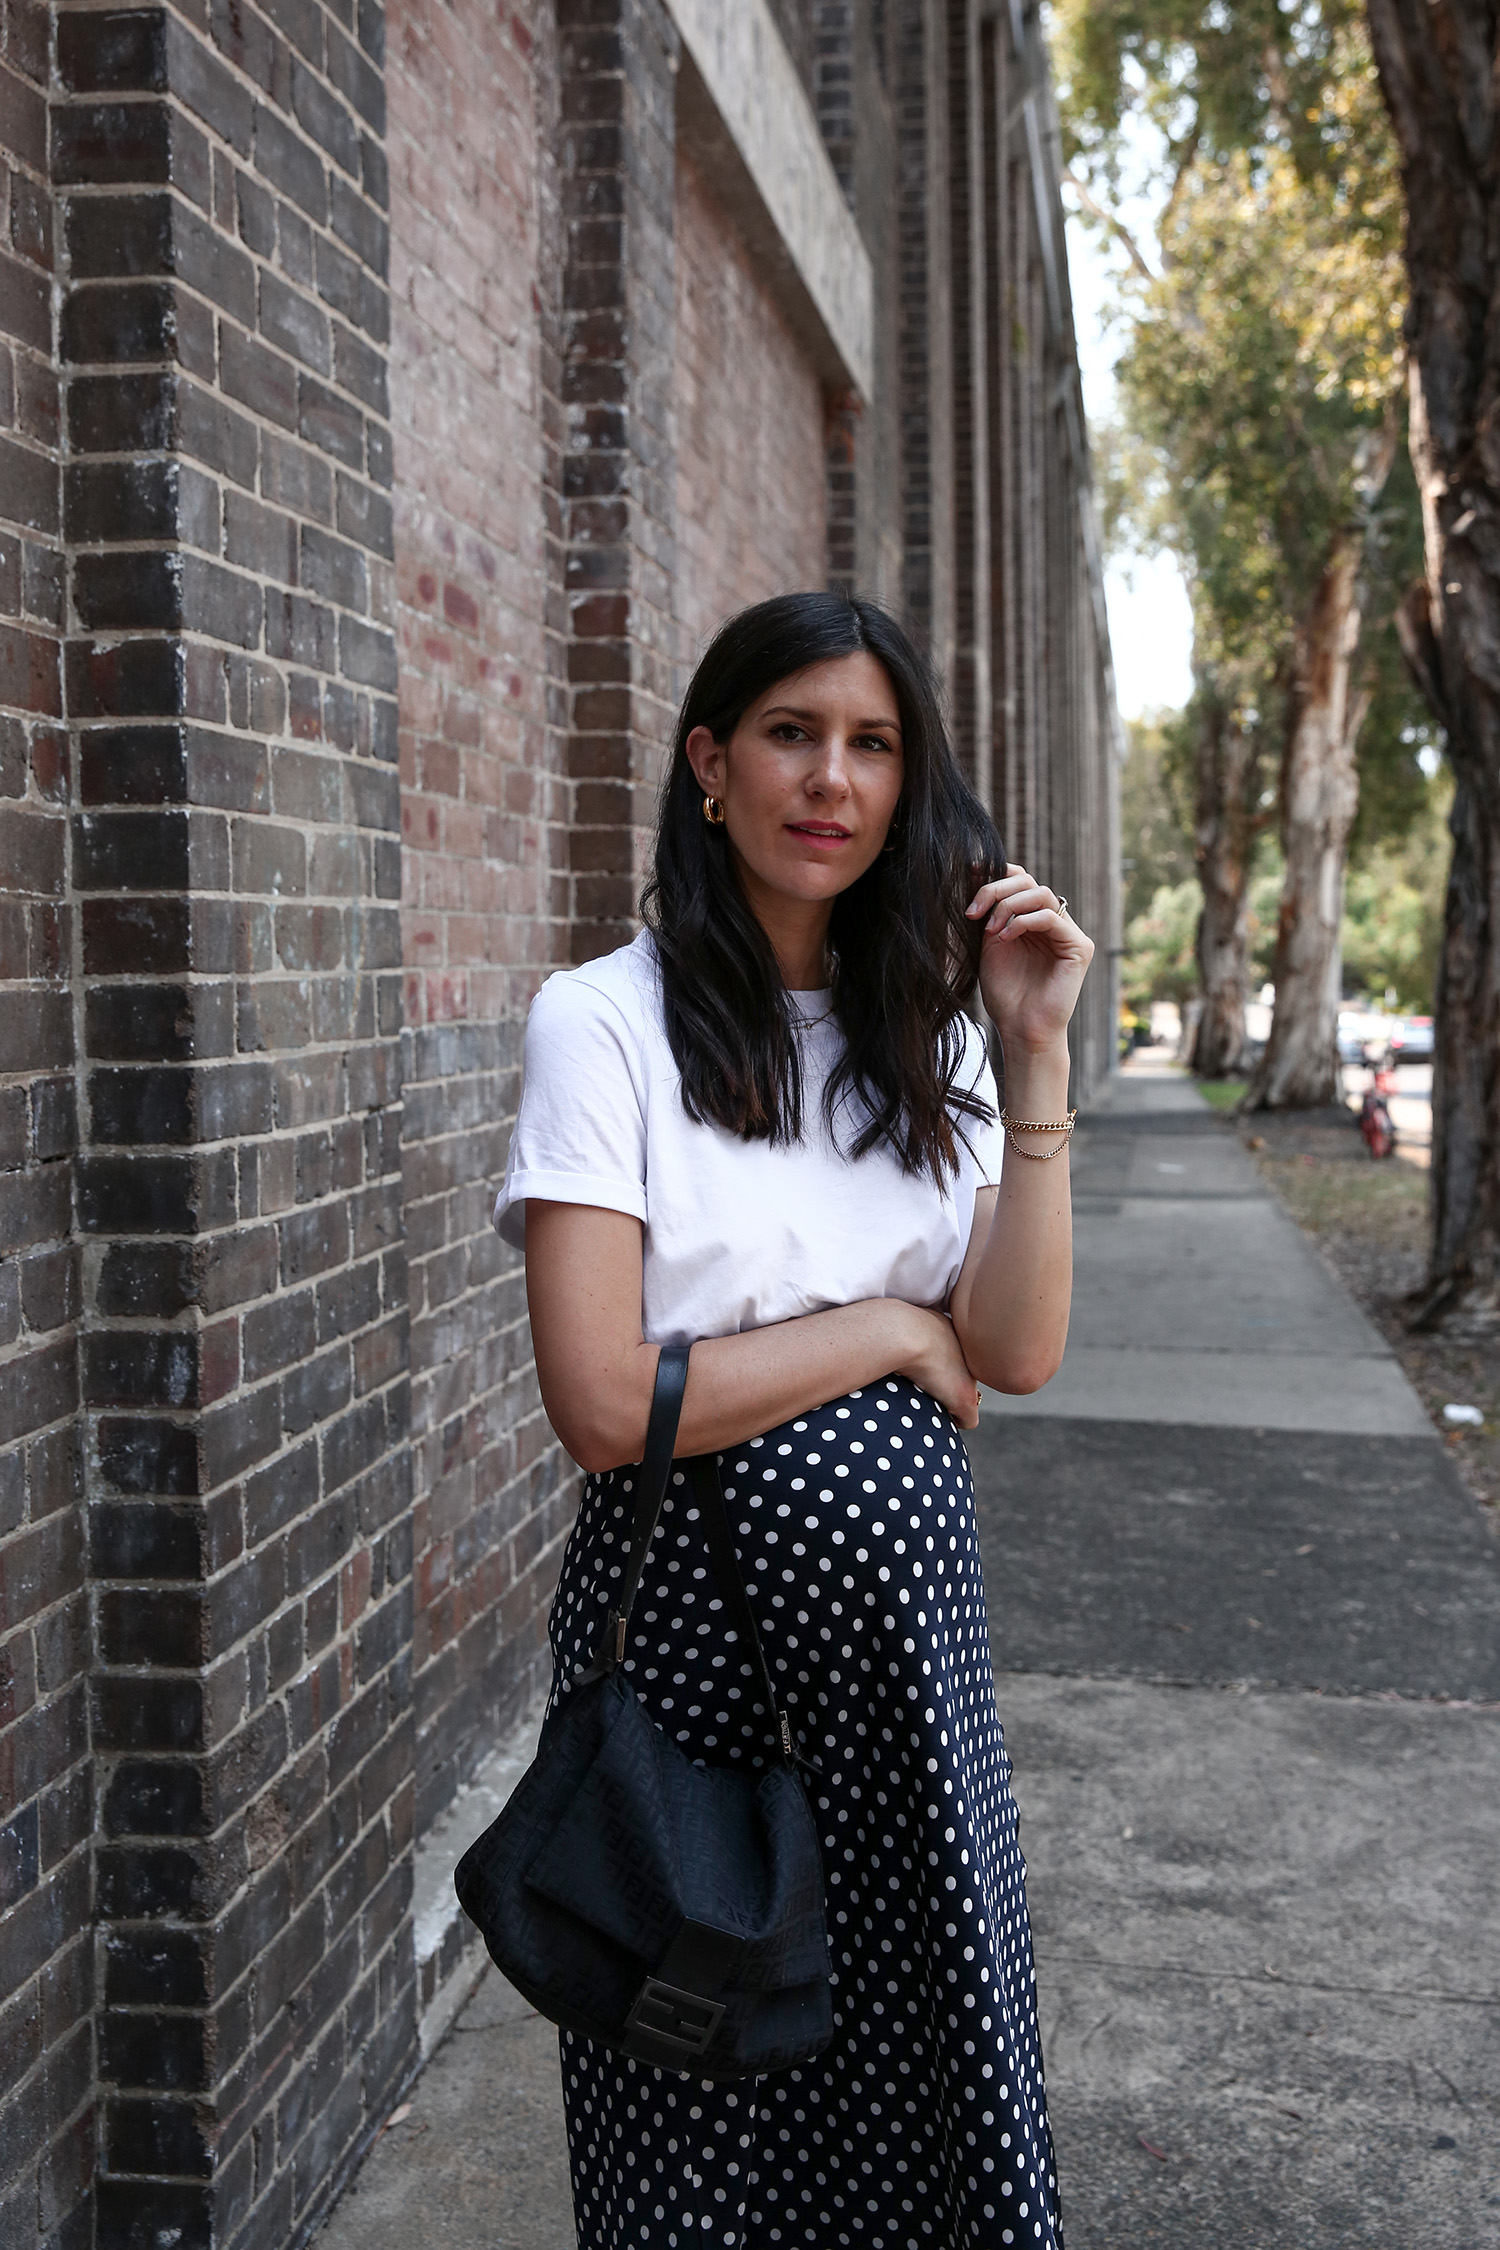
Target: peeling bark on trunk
[[1439, 63], [1465, 1191], [1225, 838], [1319, 798]]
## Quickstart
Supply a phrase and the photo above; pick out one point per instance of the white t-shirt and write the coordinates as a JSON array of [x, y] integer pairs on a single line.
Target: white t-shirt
[[737, 1233]]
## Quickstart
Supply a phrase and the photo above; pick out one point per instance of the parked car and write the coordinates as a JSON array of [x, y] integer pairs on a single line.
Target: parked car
[[1411, 1039], [1351, 1036], [1360, 1034]]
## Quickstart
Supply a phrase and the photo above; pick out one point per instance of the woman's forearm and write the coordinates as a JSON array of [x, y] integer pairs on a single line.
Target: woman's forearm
[[737, 1385], [1010, 1312], [583, 1281]]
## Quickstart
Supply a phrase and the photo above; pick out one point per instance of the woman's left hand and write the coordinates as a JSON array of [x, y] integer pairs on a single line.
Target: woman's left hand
[[1033, 959]]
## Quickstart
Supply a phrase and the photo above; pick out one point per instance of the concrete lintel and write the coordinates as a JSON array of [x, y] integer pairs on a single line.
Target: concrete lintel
[[745, 118]]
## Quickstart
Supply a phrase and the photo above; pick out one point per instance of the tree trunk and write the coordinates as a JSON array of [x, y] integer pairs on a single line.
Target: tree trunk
[[1319, 798], [1465, 1218], [1439, 63], [1225, 839]]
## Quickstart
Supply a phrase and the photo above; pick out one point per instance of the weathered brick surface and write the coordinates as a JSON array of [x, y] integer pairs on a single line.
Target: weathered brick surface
[[485, 806], [617, 141], [46, 2043], [331, 718], [918, 66], [851, 92], [971, 681], [236, 863], [750, 436]]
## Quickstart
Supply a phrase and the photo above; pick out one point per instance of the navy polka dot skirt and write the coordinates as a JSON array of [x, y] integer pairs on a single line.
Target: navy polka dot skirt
[[924, 2123]]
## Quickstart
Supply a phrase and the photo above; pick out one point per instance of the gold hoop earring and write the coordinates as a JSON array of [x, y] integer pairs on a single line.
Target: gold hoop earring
[[713, 812]]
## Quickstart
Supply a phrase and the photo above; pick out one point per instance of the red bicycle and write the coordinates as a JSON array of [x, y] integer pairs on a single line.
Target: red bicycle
[[1374, 1112]]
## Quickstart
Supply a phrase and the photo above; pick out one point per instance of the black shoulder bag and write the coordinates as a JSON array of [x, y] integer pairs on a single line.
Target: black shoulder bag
[[672, 1911]]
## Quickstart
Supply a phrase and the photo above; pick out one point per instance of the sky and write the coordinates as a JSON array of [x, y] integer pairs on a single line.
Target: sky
[[1150, 628]]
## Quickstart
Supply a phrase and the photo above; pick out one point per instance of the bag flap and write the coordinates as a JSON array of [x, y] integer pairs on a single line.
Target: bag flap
[[611, 1859], [497, 1860], [651, 1840]]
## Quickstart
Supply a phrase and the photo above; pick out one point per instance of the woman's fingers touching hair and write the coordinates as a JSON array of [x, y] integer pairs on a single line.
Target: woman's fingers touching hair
[[1015, 902], [1045, 914]]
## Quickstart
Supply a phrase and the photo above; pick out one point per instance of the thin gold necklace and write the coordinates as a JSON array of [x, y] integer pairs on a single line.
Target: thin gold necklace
[[810, 1023]]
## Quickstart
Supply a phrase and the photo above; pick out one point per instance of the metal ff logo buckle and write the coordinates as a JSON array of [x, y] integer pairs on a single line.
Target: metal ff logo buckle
[[675, 2018]]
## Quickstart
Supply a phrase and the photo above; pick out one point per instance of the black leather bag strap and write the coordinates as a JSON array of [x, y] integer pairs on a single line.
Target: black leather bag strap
[[651, 1491]]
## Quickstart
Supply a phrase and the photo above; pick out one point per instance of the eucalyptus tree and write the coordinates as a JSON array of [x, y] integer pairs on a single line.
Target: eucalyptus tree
[[1263, 373], [1439, 63]]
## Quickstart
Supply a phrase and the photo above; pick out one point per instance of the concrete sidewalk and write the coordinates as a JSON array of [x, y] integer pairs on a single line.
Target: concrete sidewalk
[[1247, 1627]]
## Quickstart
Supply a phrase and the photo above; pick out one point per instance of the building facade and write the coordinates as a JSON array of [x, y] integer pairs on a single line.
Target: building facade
[[392, 401]]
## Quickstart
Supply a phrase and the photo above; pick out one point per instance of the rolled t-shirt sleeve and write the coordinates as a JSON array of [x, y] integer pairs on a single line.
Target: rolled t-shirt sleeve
[[580, 1135], [986, 1139]]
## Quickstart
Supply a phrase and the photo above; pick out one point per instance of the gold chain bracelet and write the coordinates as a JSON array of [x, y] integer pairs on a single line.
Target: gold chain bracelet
[[1013, 1125]]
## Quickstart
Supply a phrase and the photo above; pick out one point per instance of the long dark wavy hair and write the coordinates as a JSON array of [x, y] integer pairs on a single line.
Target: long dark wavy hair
[[905, 955]]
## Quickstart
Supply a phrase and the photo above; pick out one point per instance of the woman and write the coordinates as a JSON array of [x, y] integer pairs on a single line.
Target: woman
[[767, 1128]]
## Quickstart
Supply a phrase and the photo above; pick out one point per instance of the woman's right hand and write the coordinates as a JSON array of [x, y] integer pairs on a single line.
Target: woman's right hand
[[937, 1366]]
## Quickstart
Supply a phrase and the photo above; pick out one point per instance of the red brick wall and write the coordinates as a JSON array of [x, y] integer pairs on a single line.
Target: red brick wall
[[485, 897], [750, 450], [486, 893]]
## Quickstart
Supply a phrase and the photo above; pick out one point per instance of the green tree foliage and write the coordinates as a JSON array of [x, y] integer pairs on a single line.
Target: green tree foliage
[[1155, 818], [1210, 78], [1265, 359], [1160, 958], [1160, 939], [1262, 376], [1393, 903], [1393, 909]]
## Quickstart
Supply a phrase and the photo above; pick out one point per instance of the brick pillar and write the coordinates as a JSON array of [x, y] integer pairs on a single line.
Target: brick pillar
[[918, 35], [618, 106], [230, 682], [46, 2053], [971, 223], [832, 86], [865, 501]]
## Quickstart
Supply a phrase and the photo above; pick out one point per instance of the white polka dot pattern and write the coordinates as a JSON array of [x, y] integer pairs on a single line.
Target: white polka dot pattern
[[925, 2121]]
